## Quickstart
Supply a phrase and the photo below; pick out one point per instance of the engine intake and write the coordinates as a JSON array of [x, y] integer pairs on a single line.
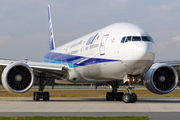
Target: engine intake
[[161, 78], [17, 77]]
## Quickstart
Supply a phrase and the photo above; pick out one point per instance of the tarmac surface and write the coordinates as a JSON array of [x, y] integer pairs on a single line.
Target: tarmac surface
[[154, 108]]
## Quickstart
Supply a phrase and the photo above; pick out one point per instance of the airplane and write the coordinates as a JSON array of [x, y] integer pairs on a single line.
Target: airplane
[[121, 52]]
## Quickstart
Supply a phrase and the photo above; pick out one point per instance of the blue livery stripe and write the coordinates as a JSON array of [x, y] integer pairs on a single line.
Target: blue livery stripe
[[94, 37], [73, 60]]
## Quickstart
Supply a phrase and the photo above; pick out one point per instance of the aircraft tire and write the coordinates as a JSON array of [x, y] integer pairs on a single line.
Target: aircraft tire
[[119, 96], [36, 96], [127, 98], [46, 96], [110, 96], [134, 98]]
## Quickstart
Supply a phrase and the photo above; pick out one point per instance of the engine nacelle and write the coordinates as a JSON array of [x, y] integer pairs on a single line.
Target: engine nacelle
[[161, 78], [17, 77]]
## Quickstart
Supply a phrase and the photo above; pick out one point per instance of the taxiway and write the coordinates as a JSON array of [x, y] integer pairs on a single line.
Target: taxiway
[[155, 108]]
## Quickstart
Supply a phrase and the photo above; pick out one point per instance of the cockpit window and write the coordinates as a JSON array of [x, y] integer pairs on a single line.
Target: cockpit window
[[128, 39], [147, 38], [150, 39], [123, 39], [136, 38]]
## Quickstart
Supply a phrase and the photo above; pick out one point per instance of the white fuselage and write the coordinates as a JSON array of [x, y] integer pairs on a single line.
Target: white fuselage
[[101, 56]]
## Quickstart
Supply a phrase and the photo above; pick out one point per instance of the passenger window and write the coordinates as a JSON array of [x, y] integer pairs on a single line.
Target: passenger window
[[135, 38], [123, 39], [128, 39]]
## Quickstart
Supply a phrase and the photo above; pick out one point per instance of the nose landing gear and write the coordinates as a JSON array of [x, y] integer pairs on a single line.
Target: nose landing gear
[[130, 97]]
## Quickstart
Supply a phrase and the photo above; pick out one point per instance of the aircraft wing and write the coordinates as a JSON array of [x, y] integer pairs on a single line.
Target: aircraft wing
[[52, 69], [171, 63]]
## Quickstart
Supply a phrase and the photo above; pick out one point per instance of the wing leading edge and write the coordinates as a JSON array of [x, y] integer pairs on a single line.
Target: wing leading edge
[[173, 63]]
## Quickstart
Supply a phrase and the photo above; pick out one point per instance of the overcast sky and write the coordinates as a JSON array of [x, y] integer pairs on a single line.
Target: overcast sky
[[24, 23]]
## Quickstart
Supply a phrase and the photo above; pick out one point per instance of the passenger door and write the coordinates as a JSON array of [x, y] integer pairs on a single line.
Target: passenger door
[[103, 44]]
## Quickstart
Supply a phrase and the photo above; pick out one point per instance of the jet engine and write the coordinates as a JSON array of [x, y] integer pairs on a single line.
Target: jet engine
[[17, 77], [161, 78]]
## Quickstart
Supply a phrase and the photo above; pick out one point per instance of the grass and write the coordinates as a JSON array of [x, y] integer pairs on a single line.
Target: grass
[[75, 118], [89, 93]]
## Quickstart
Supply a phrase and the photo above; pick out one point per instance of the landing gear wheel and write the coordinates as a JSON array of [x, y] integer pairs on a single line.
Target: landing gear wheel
[[134, 98], [119, 96], [127, 98], [46, 96], [36, 96], [110, 96]]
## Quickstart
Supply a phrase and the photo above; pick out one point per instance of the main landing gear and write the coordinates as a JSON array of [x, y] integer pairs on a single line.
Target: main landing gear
[[120, 96], [114, 95], [41, 95]]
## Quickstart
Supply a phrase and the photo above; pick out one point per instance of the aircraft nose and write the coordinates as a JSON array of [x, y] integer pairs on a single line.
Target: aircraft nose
[[144, 51]]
